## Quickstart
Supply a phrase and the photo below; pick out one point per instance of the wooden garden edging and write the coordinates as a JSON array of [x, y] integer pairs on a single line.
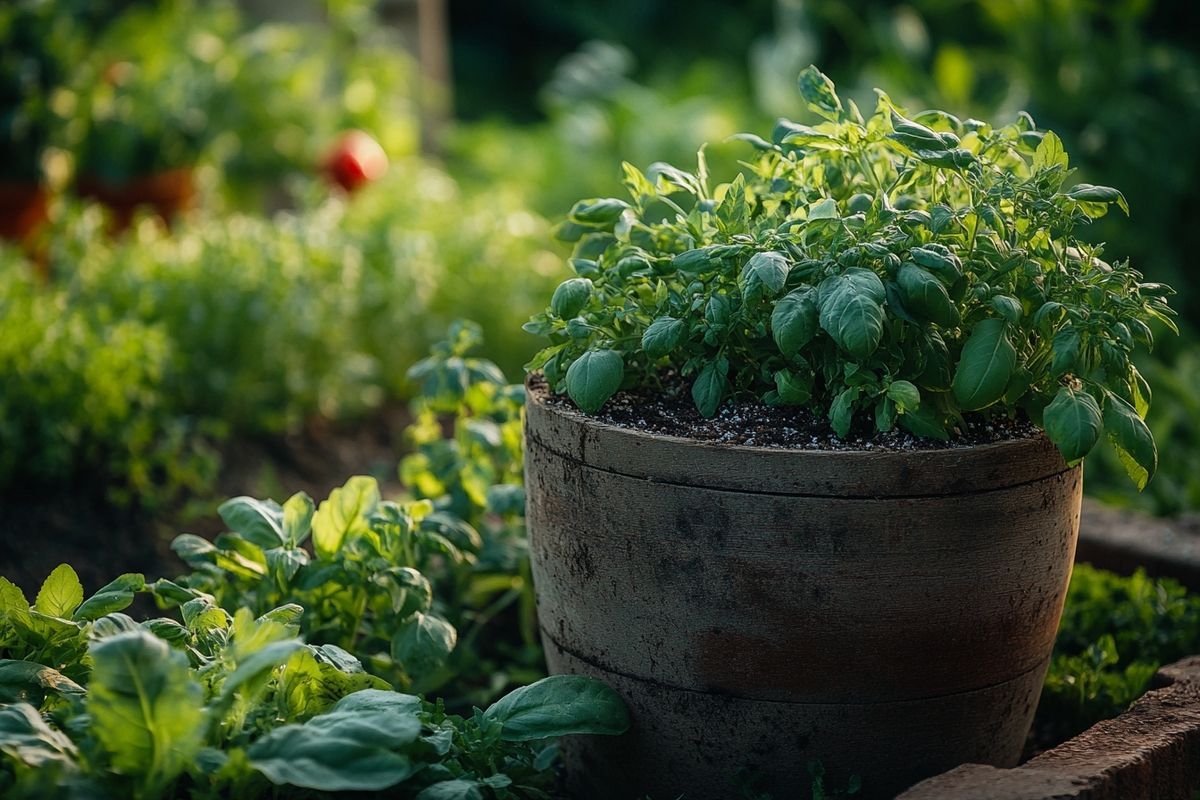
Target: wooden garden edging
[[1151, 752]]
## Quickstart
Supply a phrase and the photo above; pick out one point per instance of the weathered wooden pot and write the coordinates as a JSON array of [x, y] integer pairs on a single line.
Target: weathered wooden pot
[[890, 614]]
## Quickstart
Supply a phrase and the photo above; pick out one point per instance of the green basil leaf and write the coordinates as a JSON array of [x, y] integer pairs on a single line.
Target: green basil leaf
[[764, 274], [147, 709], [794, 321], [344, 514], [423, 643], [708, 390], [114, 596], [926, 297], [662, 337], [260, 521], [561, 705], [819, 94], [61, 593], [985, 366], [1073, 422], [850, 311], [1132, 440], [570, 297], [906, 396], [594, 377]]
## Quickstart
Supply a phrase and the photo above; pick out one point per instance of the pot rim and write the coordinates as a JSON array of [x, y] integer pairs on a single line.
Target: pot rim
[[572, 434]]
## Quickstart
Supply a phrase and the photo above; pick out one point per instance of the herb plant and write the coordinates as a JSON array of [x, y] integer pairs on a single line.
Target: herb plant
[[395, 582], [885, 271], [213, 704], [1116, 632]]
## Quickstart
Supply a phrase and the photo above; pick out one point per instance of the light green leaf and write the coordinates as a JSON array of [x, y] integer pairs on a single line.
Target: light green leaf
[[1132, 440], [61, 593], [1073, 422], [906, 396], [259, 521], [147, 710], [1049, 153], [985, 366], [343, 514], [561, 705], [594, 377], [818, 93], [297, 519]]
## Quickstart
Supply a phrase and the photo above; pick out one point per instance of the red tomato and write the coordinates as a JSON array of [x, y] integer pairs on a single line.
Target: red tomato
[[355, 159]]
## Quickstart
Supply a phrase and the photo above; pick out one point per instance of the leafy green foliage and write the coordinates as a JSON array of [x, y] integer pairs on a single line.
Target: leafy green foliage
[[218, 704], [857, 253], [1115, 633]]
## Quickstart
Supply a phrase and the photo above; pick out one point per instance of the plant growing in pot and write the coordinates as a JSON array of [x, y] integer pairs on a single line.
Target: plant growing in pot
[[37, 46], [813, 490], [148, 94]]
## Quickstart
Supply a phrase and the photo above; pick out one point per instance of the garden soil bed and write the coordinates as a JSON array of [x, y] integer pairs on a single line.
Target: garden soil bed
[[42, 527], [670, 411]]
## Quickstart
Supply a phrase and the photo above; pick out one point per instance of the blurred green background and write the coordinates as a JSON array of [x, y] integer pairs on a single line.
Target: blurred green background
[[268, 300]]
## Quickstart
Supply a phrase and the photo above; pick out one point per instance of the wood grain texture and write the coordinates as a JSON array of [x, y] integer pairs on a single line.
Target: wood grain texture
[[920, 614], [702, 746]]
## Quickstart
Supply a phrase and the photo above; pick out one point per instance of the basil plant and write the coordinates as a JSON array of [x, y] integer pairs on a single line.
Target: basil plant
[[886, 271]]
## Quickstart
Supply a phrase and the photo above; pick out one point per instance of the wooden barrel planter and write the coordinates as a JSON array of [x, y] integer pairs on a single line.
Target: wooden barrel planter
[[890, 614], [167, 194]]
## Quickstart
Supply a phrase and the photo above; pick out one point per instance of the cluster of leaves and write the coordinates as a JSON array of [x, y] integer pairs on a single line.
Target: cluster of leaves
[[395, 581], [906, 270], [1115, 633], [246, 325], [130, 89], [213, 704]]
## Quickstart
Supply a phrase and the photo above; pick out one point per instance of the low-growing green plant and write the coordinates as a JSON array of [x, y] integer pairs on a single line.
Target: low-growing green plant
[[397, 581], [214, 704], [1115, 633], [884, 271]]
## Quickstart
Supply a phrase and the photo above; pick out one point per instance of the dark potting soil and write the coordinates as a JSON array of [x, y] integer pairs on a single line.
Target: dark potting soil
[[670, 411]]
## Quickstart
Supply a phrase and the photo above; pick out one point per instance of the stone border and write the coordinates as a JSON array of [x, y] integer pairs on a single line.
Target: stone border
[[1122, 541], [1151, 752]]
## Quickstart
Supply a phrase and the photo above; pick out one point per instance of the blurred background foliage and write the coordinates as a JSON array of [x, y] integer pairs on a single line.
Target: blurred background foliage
[[278, 297]]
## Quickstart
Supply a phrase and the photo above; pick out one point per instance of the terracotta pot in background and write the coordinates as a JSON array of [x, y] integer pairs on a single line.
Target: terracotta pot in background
[[166, 194], [23, 208], [890, 614]]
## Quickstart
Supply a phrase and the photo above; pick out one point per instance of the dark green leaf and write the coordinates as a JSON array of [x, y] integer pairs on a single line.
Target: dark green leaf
[[1073, 422], [985, 366], [561, 705], [708, 390], [593, 378]]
